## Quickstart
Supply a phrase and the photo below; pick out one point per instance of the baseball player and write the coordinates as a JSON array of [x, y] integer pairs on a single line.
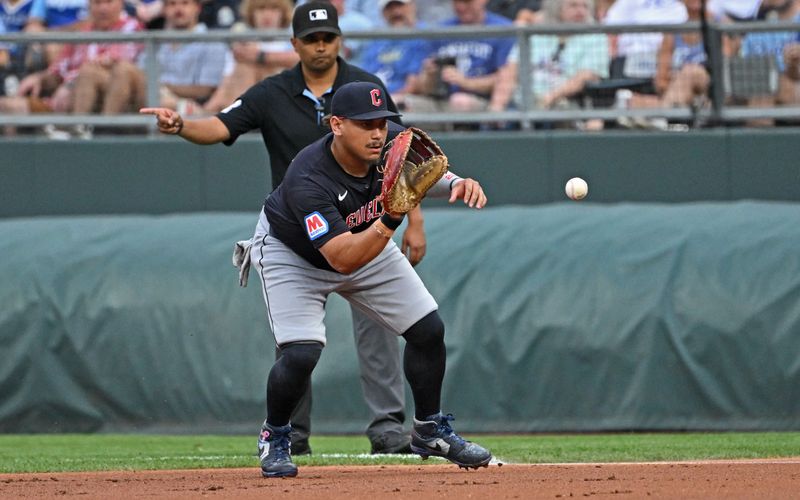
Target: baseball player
[[288, 109], [328, 233]]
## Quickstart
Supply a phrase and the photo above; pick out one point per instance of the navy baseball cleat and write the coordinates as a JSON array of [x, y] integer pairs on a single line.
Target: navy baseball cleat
[[434, 436], [274, 447]]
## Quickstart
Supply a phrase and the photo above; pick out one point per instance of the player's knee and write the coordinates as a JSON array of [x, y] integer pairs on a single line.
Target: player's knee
[[427, 331], [301, 356]]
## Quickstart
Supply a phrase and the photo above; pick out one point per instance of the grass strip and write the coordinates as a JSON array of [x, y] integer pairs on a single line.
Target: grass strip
[[88, 452]]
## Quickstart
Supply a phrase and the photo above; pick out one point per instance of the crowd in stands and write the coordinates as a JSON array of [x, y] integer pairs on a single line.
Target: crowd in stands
[[424, 75]]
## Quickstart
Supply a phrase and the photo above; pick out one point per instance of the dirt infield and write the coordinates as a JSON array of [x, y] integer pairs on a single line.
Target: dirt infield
[[717, 479]]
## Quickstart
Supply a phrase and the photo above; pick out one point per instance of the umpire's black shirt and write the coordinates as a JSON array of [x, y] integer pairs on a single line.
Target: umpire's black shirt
[[287, 113]]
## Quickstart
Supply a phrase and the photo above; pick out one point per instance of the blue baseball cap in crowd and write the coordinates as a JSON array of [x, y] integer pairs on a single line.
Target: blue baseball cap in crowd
[[312, 17], [361, 101]]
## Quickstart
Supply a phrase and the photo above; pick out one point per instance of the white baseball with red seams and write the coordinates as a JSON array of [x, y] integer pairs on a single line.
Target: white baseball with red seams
[[576, 188]]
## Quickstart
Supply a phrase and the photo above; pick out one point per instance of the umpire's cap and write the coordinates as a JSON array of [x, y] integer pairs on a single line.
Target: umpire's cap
[[312, 17], [361, 101]]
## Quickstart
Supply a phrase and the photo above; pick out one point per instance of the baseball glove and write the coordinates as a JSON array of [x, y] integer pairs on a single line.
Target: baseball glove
[[413, 163]]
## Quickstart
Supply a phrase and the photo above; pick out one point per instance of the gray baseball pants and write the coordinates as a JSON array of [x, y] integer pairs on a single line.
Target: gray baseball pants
[[378, 351]]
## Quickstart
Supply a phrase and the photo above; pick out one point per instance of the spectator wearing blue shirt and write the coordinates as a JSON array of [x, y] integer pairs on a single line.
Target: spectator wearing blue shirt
[[63, 13], [461, 75], [58, 15], [397, 62], [778, 45], [4, 57], [773, 42], [789, 84], [17, 16]]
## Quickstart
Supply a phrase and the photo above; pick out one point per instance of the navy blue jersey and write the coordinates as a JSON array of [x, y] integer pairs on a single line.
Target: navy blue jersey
[[318, 200]]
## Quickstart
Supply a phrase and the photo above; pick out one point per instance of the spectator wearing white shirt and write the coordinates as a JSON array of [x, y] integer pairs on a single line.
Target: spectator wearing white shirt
[[634, 54]]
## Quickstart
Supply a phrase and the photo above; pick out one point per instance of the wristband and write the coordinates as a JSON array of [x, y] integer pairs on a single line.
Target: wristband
[[391, 222]]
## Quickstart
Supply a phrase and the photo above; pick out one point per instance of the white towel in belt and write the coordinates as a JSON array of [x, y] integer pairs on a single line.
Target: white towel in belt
[[241, 259]]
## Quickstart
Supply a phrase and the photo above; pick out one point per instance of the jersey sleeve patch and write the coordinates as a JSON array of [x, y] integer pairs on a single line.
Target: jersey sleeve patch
[[316, 225]]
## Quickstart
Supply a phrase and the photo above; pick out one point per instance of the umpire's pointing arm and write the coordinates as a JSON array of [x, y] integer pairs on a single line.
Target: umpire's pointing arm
[[202, 131]]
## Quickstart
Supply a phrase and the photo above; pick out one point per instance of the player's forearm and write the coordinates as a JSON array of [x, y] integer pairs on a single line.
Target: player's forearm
[[443, 186], [349, 252], [415, 217], [205, 131]]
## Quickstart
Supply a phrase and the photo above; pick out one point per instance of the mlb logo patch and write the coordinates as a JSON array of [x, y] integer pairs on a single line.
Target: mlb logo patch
[[316, 225], [318, 15]]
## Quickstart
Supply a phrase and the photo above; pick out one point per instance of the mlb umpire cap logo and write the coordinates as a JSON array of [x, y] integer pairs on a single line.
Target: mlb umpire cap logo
[[318, 15]]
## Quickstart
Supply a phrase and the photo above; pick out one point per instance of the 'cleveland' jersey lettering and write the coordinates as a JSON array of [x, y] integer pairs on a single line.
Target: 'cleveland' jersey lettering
[[366, 213]]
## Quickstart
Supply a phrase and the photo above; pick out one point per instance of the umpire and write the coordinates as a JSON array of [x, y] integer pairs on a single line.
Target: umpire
[[288, 109]]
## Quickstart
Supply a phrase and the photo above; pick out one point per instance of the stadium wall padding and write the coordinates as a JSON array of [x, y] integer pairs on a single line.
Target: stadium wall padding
[[166, 174], [560, 317]]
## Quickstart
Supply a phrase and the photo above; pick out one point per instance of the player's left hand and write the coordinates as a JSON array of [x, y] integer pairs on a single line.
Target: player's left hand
[[470, 191], [414, 244]]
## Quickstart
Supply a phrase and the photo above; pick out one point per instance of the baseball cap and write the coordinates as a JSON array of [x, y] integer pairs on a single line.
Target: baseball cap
[[312, 17], [383, 3], [361, 101]]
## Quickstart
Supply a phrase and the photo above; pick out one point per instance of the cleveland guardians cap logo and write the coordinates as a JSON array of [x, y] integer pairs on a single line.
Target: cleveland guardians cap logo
[[375, 95], [318, 15]]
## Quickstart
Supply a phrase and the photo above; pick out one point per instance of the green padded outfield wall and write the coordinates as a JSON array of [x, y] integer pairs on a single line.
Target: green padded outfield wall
[[560, 317], [166, 174], [629, 311]]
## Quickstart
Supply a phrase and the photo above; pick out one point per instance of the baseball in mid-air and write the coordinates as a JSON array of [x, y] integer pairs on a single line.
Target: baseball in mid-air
[[576, 188]]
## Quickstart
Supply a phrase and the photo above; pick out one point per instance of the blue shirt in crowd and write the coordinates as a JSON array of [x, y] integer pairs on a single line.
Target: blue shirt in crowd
[[394, 60], [769, 42], [475, 56]]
